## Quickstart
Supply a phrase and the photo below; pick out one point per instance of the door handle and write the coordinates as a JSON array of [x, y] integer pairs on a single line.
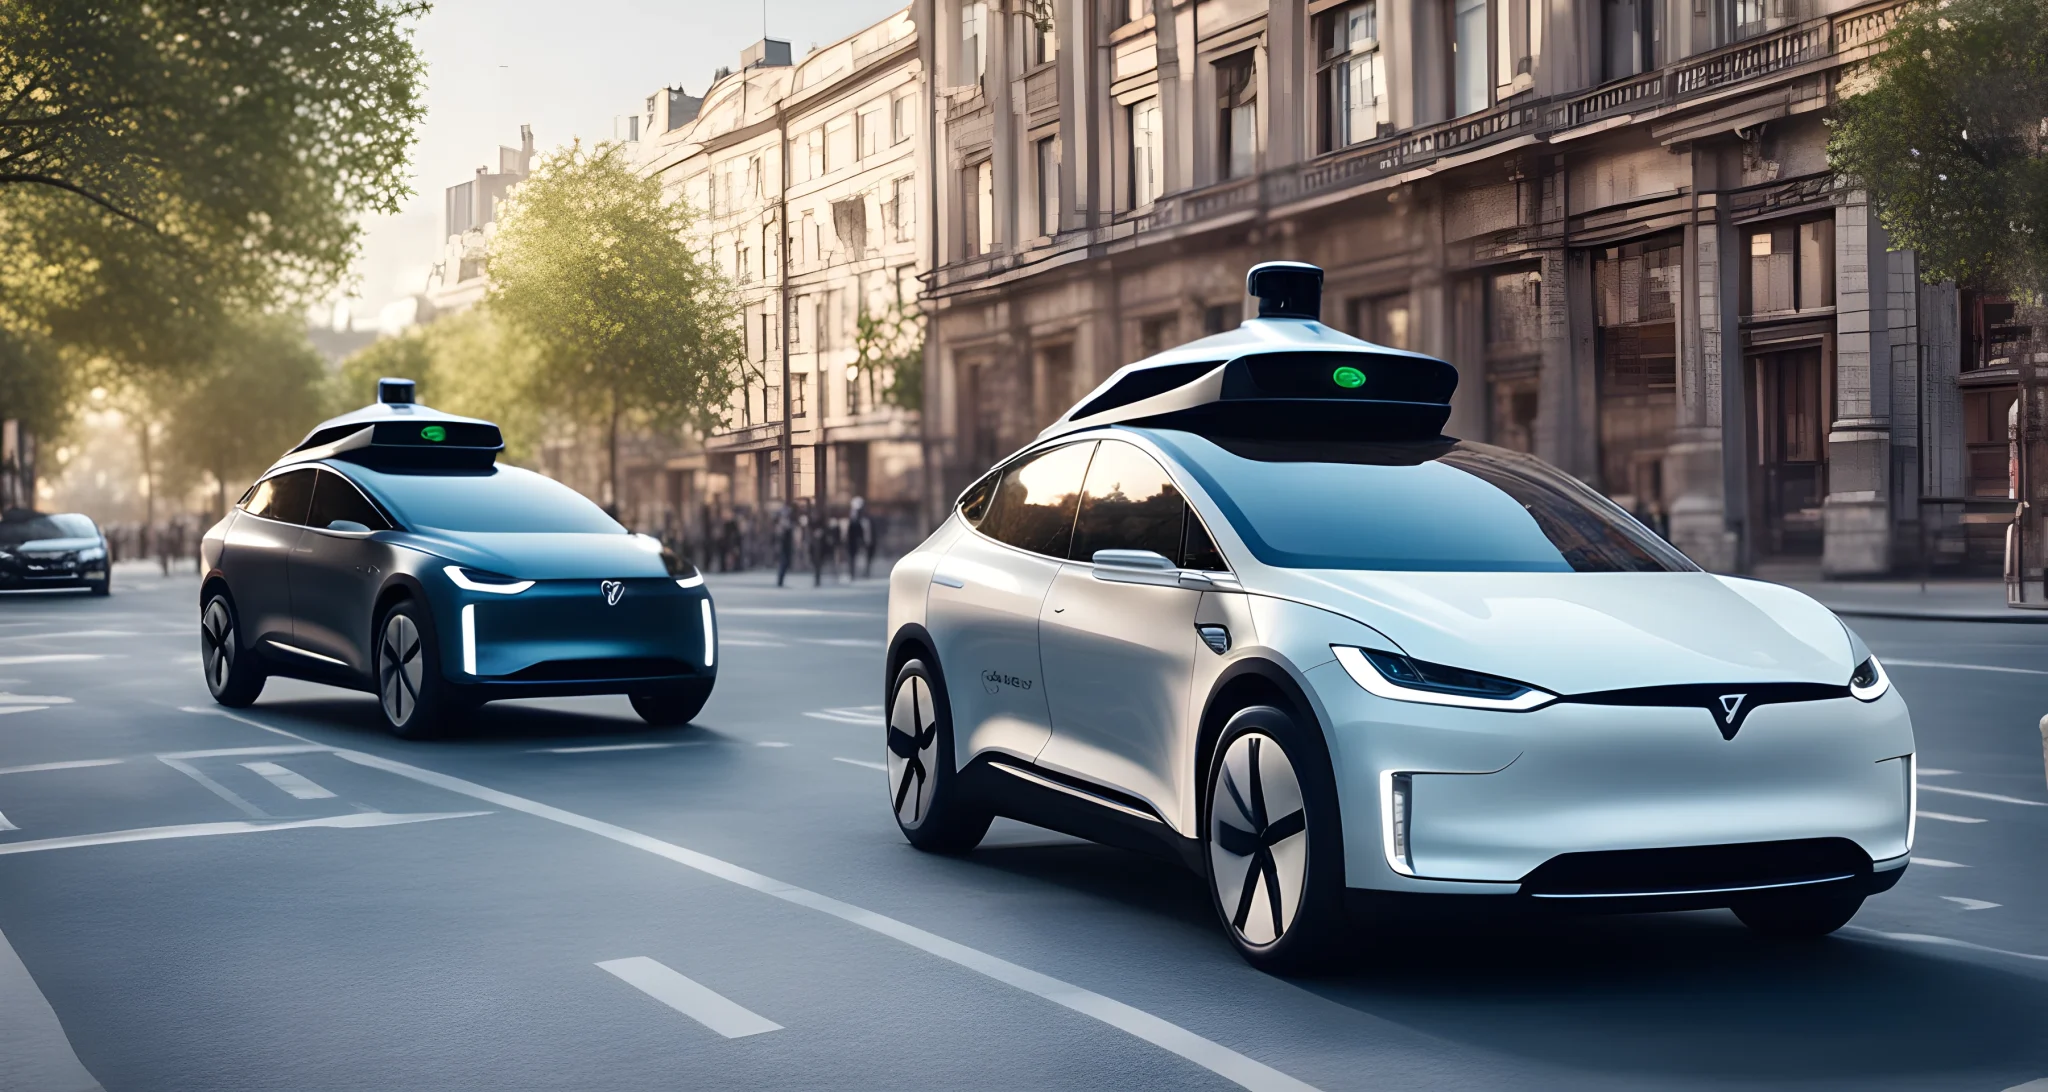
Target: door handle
[[947, 580]]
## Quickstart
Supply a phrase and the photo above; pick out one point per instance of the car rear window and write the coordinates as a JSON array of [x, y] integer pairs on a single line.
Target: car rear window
[[496, 500], [1446, 506]]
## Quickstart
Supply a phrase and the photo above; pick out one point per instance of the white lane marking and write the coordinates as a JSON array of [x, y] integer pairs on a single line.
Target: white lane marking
[[39, 1055], [297, 784], [1971, 904], [238, 718], [847, 716], [52, 658], [770, 743], [844, 642], [1889, 662], [1984, 796], [214, 787], [350, 821], [1945, 942], [1934, 773], [2038, 1084], [239, 752], [600, 748], [77, 633], [1946, 817], [5, 825], [6, 709], [78, 765], [1936, 862], [32, 699], [689, 997], [861, 762], [806, 612], [730, 643], [1168, 1036]]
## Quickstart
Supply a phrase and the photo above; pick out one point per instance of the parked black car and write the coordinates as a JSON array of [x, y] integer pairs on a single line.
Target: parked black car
[[52, 550]]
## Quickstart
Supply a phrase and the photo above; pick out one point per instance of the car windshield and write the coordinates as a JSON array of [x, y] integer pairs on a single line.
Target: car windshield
[[14, 532], [500, 499], [1443, 506]]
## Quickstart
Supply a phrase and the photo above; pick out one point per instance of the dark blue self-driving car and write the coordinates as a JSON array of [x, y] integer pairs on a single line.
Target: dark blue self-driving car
[[389, 552]]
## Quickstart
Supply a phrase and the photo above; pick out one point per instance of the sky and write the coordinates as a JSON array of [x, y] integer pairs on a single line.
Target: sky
[[568, 68]]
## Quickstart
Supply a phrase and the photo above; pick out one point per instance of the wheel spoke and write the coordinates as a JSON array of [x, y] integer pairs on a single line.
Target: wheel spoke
[[1237, 798], [1244, 899], [1283, 828], [1237, 841], [1272, 874], [1258, 791]]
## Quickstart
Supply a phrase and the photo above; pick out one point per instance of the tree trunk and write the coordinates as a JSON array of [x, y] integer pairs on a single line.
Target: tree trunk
[[148, 492], [612, 472]]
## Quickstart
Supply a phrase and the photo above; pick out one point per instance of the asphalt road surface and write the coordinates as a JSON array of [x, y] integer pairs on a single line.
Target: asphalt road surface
[[287, 898]]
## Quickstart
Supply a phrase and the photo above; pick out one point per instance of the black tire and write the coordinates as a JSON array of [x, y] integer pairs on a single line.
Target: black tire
[[104, 586], [671, 706], [414, 698], [925, 790], [234, 675], [1798, 916], [1270, 831]]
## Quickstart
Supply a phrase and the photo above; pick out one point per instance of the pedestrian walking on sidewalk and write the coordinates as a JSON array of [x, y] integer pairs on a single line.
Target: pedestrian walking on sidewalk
[[785, 542]]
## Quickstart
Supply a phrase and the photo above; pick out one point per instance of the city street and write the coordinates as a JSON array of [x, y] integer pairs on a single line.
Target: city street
[[286, 897]]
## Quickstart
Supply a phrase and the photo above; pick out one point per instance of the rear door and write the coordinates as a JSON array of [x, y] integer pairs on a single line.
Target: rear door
[[335, 575], [256, 553], [985, 598], [1119, 642]]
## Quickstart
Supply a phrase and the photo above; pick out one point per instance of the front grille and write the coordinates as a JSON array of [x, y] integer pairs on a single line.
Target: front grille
[[1696, 868], [615, 667]]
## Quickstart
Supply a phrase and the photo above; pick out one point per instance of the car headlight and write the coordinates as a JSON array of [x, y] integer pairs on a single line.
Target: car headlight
[[1397, 677], [92, 553], [1868, 682], [694, 580], [478, 580]]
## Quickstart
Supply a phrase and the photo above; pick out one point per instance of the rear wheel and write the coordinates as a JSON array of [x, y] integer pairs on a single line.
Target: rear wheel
[[1801, 916], [1272, 843], [924, 788], [233, 675], [671, 705], [416, 701]]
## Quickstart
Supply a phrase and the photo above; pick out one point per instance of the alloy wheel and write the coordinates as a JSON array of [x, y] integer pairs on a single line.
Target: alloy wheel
[[217, 644], [913, 748], [399, 668], [1258, 838]]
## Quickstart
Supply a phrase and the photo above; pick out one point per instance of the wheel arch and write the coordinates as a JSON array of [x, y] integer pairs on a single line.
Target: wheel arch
[[1248, 682], [911, 642]]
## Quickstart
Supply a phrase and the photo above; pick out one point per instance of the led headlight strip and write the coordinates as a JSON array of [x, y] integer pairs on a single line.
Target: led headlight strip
[[694, 580], [466, 582], [1869, 682], [1369, 677]]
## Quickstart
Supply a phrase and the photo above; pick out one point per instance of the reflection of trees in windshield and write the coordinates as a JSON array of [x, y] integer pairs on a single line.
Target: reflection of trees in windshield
[[14, 532]]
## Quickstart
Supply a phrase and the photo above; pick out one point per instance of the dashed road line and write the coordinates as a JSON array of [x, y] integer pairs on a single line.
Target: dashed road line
[[1934, 773], [216, 788], [804, 612], [297, 784], [53, 658], [1945, 817], [771, 743], [5, 825], [1889, 662], [351, 821], [1935, 862], [730, 642], [32, 699], [861, 717], [1971, 904], [602, 747], [1207, 1053], [1973, 793], [78, 765], [69, 634], [689, 997], [844, 642], [6, 709], [861, 762]]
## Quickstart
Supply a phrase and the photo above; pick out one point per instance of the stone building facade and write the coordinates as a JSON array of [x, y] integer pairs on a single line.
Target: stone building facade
[[804, 174], [1614, 218]]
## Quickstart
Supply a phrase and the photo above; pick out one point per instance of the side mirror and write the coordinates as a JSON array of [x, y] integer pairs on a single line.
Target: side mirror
[[348, 525]]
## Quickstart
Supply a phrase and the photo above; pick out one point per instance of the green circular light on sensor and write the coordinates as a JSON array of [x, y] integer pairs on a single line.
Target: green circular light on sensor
[[1348, 377], [435, 433]]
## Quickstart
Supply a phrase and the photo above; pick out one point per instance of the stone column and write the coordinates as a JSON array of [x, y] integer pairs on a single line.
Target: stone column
[[1709, 347], [1856, 517]]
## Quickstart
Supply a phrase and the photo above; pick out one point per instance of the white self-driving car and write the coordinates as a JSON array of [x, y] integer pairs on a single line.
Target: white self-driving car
[[1247, 607]]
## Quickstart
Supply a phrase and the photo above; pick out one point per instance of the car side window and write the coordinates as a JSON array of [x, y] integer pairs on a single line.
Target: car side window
[[1128, 504], [974, 502], [1033, 507], [337, 498], [285, 498], [1197, 550]]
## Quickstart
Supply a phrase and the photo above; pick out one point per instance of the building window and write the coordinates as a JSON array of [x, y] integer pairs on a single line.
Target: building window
[[1469, 47], [903, 117], [1510, 312], [1146, 149], [1153, 334], [1384, 320], [1122, 12], [1749, 18], [873, 123], [814, 153], [1237, 117], [799, 388], [1791, 268], [1350, 105], [1636, 304], [903, 208], [1986, 440], [796, 323], [1047, 155], [806, 238], [838, 144], [1220, 317], [1521, 43], [973, 41], [1045, 38], [1993, 335], [1621, 29], [743, 264], [977, 201]]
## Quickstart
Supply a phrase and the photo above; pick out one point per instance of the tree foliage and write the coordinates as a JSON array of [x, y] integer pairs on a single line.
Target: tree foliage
[[165, 166], [628, 324], [255, 396], [1949, 133], [466, 363], [889, 345]]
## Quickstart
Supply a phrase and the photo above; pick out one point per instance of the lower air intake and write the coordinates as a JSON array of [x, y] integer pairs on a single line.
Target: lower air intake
[[621, 667], [1696, 868]]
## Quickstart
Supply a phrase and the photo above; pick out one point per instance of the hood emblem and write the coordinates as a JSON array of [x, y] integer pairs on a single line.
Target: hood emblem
[[612, 590], [1730, 703]]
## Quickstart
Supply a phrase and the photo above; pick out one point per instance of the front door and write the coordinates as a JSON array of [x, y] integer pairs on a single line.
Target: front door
[[256, 554], [1119, 642], [334, 574], [1788, 470], [985, 598]]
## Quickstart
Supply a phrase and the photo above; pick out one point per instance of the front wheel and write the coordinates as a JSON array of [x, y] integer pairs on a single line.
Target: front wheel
[[416, 701], [671, 706], [233, 675], [1272, 842], [1801, 916], [924, 788]]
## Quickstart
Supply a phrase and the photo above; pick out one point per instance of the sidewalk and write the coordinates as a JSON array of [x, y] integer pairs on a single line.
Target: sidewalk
[[1942, 600]]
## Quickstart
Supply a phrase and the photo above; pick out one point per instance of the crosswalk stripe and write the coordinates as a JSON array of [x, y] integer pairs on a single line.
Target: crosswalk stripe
[[689, 997]]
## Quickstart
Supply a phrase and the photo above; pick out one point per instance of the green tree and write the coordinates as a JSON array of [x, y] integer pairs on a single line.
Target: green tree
[[1948, 131], [466, 363], [628, 325], [889, 346], [165, 165], [260, 391]]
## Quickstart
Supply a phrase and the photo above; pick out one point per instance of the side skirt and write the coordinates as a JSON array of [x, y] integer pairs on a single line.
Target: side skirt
[[1031, 794]]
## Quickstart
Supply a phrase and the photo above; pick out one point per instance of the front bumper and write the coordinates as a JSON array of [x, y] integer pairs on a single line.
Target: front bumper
[[18, 575], [1491, 798], [563, 637]]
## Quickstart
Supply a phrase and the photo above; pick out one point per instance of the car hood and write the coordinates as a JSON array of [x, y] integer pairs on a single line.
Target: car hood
[[50, 545], [544, 556], [1573, 633]]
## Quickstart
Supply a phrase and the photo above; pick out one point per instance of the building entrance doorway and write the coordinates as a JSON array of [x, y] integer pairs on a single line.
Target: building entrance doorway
[[1788, 468]]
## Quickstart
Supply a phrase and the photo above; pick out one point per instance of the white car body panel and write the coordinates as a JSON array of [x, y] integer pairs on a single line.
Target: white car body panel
[[982, 607]]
